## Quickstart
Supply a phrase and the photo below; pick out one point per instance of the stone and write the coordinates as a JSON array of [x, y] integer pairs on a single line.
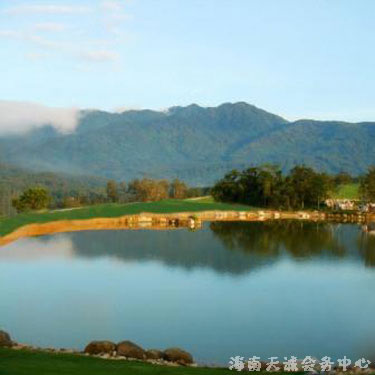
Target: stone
[[100, 347], [154, 354], [5, 339], [178, 355], [130, 350]]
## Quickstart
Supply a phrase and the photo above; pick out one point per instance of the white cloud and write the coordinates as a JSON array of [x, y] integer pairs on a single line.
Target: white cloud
[[100, 55], [35, 56], [29, 37], [10, 34], [50, 26], [18, 117], [114, 15], [126, 108], [47, 9], [112, 5]]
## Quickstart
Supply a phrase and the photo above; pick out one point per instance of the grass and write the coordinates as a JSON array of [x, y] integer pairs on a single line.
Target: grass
[[24, 362], [206, 199], [347, 191], [8, 225]]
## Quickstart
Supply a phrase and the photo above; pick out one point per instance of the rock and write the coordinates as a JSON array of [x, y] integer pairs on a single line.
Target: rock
[[100, 347], [178, 355], [130, 350], [105, 356], [5, 339], [154, 354]]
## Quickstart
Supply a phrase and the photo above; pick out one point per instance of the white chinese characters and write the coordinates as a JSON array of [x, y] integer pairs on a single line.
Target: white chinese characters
[[292, 364]]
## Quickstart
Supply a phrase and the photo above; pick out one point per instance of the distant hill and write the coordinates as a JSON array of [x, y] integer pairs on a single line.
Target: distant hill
[[193, 143], [15, 180]]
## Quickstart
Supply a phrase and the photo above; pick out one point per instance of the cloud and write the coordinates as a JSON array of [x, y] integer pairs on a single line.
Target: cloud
[[96, 55], [29, 37], [10, 34], [126, 108], [100, 56], [16, 117], [112, 6], [114, 15], [47, 9], [50, 27], [35, 56]]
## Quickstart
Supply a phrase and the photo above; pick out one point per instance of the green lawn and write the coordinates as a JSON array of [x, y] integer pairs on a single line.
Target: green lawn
[[23, 362], [206, 199], [348, 191], [8, 225]]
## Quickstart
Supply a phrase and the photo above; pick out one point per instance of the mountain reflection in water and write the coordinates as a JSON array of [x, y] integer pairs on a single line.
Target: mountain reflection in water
[[226, 247], [274, 288]]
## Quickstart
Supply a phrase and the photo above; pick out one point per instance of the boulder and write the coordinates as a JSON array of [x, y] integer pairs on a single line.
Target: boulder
[[178, 355], [100, 347], [130, 350], [5, 339], [154, 354]]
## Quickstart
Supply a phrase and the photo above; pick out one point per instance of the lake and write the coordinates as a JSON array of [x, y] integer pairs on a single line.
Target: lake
[[235, 288]]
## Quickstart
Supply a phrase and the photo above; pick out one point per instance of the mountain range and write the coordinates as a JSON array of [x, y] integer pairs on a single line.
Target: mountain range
[[196, 144]]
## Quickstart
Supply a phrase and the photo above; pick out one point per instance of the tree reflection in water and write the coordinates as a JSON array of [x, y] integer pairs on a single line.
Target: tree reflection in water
[[366, 244], [231, 247], [299, 239]]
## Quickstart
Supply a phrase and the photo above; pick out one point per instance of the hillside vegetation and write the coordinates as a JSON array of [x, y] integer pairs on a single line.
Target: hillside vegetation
[[14, 180], [198, 145]]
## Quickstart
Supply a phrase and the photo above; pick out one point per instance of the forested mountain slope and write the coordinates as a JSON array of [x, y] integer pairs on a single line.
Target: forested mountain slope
[[193, 143]]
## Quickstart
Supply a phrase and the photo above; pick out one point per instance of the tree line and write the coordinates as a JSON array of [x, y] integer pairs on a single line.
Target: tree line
[[264, 186], [302, 187], [138, 190]]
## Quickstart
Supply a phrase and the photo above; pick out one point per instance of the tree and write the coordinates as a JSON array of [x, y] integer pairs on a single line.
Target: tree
[[322, 185], [227, 189], [367, 186], [300, 179], [178, 189], [343, 178], [112, 191], [71, 202], [35, 198], [266, 186], [148, 189]]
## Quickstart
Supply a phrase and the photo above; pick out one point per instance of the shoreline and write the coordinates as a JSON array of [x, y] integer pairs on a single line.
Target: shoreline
[[168, 221], [177, 360]]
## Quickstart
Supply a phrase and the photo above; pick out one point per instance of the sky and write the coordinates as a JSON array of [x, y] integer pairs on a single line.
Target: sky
[[296, 58]]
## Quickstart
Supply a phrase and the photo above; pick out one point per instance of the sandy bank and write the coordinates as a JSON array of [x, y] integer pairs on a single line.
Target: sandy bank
[[191, 220]]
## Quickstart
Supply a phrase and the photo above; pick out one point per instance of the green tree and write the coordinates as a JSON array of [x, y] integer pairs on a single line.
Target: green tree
[[35, 198], [112, 191], [343, 178], [266, 186], [367, 186]]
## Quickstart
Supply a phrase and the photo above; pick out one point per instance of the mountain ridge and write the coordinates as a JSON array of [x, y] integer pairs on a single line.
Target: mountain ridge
[[194, 143]]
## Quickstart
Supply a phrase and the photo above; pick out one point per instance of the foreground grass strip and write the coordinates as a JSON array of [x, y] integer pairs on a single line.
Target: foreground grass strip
[[23, 362], [8, 225]]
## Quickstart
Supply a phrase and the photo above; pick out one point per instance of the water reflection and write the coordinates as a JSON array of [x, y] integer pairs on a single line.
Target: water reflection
[[366, 244], [225, 247], [268, 288], [232, 247]]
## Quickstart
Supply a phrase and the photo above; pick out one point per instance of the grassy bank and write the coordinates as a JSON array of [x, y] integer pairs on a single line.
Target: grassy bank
[[8, 225], [23, 362], [347, 191]]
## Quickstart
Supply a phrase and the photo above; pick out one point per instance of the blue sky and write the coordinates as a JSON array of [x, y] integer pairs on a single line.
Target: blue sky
[[297, 58]]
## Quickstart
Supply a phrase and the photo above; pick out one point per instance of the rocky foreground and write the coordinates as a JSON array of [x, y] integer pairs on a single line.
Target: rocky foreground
[[176, 357], [124, 350]]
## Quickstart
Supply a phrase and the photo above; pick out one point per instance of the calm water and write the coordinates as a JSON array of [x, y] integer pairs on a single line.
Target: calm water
[[261, 289]]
